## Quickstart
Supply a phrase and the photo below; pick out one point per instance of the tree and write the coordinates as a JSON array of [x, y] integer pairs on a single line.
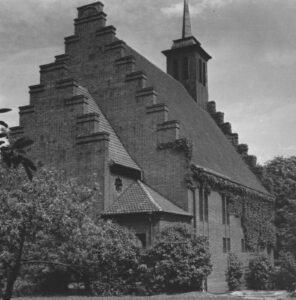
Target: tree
[[41, 221], [279, 177], [13, 153], [234, 272], [178, 261]]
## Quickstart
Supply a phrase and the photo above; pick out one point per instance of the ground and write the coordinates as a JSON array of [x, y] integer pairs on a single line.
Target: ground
[[266, 295]]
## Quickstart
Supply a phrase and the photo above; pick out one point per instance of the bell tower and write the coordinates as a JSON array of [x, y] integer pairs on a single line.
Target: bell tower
[[187, 62]]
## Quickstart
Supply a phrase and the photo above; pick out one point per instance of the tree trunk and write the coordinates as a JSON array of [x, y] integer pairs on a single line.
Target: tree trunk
[[14, 272]]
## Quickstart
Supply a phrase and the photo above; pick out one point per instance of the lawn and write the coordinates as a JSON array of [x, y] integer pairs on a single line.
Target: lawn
[[276, 295], [190, 296]]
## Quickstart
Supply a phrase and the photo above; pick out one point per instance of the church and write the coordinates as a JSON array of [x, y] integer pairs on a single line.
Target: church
[[159, 150]]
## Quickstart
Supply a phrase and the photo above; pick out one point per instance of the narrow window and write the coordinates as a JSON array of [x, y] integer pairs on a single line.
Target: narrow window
[[206, 204], [204, 72], [228, 245], [224, 245], [200, 71], [142, 238], [176, 69], [201, 206], [243, 245], [223, 209], [227, 212], [185, 68]]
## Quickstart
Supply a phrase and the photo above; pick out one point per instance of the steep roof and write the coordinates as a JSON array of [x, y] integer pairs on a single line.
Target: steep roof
[[139, 198], [211, 149], [117, 153]]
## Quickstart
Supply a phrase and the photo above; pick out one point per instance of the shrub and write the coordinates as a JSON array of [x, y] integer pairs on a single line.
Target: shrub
[[234, 272], [285, 275], [177, 262], [260, 272]]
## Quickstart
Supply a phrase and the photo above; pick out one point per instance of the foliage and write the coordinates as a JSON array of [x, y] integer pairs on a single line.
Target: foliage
[[285, 275], [46, 227], [181, 145], [13, 154], [40, 219], [177, 262], [234, 272], [259, 275], [279, 177], [255, 209]]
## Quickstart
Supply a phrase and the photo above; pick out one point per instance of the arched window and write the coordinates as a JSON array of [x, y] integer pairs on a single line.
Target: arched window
[[185, 68]]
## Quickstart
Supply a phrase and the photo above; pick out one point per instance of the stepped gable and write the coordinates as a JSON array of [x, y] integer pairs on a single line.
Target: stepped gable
[[211, 149], [139, 198], [117, 152]]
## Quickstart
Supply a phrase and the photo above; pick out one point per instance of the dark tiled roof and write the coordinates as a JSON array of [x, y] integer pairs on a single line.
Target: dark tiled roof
[[211, 149], [118, 153], [139, 198]]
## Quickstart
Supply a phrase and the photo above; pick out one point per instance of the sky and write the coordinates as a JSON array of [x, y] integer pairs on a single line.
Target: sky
[[252, 76]]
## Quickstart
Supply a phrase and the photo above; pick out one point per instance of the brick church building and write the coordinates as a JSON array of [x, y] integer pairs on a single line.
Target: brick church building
[[156, 146]]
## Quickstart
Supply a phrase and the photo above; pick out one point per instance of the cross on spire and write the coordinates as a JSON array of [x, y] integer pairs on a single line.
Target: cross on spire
[[186, 32]]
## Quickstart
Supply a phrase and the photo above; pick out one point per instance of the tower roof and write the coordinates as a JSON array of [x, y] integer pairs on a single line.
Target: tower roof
[[186, 31]]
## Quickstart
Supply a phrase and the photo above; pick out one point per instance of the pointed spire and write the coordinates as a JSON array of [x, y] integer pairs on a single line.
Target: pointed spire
[[186, 32]]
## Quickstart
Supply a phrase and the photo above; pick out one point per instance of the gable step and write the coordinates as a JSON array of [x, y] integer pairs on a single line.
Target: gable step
[[139, 77], [168, 131], [159, 112], [66, 82], [125, 64], [93, 138], [147, 95], [16, 131], [88, 123], [57, 70], [109, 31], [71, 39], [62, 58], [76, 100], [28, 109], [38, 88], [211, 107], [116, 46], [226, 128]]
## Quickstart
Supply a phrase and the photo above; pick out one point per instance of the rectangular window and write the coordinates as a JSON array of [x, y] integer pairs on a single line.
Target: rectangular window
[[226, 245], [206, 205], [185, 68], [201, 206], [176, 69], [200, 71], [225, 210], [204, 72]]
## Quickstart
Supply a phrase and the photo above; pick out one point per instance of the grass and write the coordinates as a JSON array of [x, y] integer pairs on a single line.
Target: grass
[[189, 296]]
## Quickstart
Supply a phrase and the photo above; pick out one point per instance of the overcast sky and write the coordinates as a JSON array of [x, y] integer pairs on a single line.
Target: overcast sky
[[252, 75]]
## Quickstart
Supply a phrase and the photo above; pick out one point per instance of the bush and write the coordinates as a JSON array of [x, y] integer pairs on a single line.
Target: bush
[[234, 272], [285, 275], [177, 262], [259, 275]]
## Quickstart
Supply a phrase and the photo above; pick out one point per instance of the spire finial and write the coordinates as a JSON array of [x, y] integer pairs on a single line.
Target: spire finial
[[186, 32]]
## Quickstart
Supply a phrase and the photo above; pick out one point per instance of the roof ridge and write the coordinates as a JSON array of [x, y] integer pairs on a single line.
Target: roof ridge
[[142, 185]]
